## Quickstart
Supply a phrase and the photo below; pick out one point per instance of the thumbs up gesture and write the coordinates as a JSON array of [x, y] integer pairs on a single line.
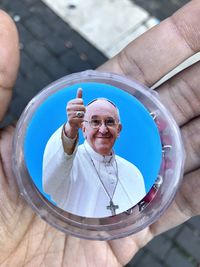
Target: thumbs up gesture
[[75, 113]]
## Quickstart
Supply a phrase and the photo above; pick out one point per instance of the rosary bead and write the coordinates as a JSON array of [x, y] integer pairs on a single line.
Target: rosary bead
[[150, 195]]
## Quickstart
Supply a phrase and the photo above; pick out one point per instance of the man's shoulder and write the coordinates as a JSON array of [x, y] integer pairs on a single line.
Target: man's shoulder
[[81, 147], [81, 150], [124, 162]]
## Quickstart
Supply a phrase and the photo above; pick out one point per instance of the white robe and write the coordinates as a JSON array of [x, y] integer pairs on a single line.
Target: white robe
[[74, 185]]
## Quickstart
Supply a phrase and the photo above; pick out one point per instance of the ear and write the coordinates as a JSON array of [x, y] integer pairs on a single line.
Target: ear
[[83, 129], [119, 128]]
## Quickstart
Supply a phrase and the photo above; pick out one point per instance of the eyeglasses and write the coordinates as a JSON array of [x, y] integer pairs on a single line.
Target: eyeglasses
[[96, 123]]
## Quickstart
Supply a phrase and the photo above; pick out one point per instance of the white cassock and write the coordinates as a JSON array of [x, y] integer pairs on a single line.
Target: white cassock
[[84, 183]]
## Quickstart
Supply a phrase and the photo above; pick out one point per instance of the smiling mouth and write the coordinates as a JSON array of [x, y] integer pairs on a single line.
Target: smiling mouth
[[103, 137]]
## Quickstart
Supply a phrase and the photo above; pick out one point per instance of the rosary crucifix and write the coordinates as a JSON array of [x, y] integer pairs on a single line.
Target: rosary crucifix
[[112, 207]]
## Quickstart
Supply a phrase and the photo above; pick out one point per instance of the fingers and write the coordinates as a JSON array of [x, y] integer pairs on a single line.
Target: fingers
[[183, 207], [76, 110], [79, 93], [9, 54], [181, 94], [160, 49], [72, 110], [191, 133]]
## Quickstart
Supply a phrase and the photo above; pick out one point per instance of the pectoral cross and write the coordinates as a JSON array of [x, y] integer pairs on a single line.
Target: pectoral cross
[[112, 207]]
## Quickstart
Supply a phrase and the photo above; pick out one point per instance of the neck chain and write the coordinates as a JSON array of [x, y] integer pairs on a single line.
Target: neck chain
[[111, 205]]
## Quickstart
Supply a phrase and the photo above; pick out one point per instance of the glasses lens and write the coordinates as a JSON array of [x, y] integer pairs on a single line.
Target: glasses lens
[[95, 123], [110, 122]]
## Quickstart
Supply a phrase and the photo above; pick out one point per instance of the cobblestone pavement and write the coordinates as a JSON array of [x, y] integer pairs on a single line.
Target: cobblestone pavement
[[51, 49], [161, 9]]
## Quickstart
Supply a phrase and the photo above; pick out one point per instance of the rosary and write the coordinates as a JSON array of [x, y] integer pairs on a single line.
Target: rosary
[[112, 207]]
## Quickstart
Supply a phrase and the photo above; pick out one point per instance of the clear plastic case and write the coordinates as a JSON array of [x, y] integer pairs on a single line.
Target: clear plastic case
[[148, 209]]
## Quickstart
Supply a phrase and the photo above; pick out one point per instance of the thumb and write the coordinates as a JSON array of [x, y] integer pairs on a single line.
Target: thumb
[[79, 93], [9, 52]]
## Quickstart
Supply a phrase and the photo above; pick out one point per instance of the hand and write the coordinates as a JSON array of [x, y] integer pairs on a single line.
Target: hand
[[75, 113], [25, 239]]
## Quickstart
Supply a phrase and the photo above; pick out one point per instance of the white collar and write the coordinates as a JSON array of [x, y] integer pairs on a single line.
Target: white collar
[[98, 157]]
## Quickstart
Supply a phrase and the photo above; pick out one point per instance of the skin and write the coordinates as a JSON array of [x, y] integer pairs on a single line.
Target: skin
[[26, 240], [102, 139]]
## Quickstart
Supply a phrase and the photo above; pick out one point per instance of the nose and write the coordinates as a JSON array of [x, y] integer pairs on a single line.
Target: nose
[[103, 128]]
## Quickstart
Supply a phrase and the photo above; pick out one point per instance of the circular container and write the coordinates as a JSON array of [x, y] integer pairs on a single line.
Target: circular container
[[169, 146]]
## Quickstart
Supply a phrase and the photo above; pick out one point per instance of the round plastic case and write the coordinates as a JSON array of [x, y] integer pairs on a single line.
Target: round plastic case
[[148, 147]]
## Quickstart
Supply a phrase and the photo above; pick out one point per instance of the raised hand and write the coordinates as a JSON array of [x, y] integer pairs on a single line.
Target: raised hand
[[75, 114]]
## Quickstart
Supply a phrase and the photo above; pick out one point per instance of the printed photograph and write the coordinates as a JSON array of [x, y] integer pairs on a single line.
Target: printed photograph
[[90, 179]]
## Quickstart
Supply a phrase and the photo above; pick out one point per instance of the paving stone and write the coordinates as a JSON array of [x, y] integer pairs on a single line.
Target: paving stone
[[8, 119], [55, 44], [136, 259], [112, 50], [30, 2], [27, 63], [95, 57], [190, 241], [195, 222], [17, 106], [62, 29], [161, 9], [173, 232], [101, 35], [176, 259], [20, 85], [73, 62], [37, 51], [24, 35], [3, 4], [29, 85], [37, 27], [151, 22], [159, 247], [17, 8], [56, 69], [42, 43], [45, 14], [40, 54], [147, 261], [39, 78]]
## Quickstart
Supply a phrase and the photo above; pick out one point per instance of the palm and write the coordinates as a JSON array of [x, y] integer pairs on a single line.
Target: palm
[[24, 233], [24, 237]]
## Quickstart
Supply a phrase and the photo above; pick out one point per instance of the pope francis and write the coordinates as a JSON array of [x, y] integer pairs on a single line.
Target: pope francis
[[90, 180]]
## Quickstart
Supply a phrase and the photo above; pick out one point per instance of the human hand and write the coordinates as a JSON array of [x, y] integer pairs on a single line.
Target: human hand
[[75, 114], [25, 239], [148, 59]]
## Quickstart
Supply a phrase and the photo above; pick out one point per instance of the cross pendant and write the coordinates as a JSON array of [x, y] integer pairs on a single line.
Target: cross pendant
[[112, 208]]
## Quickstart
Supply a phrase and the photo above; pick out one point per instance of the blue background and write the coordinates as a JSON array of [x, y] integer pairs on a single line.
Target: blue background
[[139, 141]]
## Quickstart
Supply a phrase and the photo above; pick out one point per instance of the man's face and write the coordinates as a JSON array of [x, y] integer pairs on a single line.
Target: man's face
[[102, 138]]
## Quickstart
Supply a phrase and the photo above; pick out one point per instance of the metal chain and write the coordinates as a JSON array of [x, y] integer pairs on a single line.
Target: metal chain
[[110, 197]]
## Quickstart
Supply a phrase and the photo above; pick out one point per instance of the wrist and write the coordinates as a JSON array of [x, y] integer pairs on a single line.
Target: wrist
[[69, 131], [68, 141]]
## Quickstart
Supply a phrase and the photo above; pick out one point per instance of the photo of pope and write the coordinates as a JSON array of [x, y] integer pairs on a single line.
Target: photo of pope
[[90, 180]]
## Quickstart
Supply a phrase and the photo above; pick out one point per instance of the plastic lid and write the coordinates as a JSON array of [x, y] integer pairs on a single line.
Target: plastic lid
[[92, 198]]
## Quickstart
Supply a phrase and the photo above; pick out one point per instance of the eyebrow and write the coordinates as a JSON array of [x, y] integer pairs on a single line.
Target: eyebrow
[[94, 117], [97, 117]]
